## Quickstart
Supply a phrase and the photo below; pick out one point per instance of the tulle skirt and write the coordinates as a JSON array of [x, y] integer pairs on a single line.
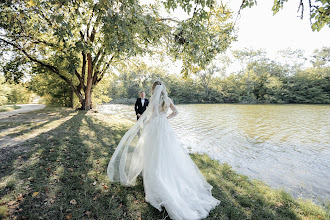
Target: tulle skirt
[[170, 177]]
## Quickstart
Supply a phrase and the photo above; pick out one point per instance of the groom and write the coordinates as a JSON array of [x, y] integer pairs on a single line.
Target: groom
[[141, 105]]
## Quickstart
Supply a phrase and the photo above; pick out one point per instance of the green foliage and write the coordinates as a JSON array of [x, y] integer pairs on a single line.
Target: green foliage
[[14, 93], [78, 41], [52, 90], [319, 12], [261, 80], [321, 58]]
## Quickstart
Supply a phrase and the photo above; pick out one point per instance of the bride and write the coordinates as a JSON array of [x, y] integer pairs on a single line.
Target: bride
[[171, 179]]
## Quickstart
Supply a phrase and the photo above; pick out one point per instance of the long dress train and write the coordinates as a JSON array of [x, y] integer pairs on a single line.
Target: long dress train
[[170, 177]]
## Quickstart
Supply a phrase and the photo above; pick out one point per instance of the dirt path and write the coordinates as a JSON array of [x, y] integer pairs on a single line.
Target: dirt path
[[18, 129], [24, 108]]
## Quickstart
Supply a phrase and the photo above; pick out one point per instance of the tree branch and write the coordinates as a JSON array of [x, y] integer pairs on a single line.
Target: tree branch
[[169, 19], [105, 68], [48, 66]]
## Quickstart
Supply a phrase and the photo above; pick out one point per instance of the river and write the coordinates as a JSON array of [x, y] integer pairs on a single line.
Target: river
[[286, 146]]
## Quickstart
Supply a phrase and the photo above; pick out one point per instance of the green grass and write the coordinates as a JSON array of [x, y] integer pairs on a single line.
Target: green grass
[[61, 174], [5, 108]]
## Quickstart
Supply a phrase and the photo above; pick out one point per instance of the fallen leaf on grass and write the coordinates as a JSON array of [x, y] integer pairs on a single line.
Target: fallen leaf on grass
[[69, 216], [279, 204], [73, 202], [105, 187], [11, 203], [88, 213], [35, 194], [19, 197]]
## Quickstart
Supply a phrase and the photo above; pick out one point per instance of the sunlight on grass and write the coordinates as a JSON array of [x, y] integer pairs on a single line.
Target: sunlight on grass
[[63, 175]]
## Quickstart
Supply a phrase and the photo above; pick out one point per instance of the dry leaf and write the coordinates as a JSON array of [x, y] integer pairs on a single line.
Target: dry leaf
[[19, 197], [88, 213], [73, 202], [35, 194], [94, 183], [11, 203], [69, 216], [105, 187]]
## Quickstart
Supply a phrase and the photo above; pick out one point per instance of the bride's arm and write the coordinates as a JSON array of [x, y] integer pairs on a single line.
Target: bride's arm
[[174, 110]]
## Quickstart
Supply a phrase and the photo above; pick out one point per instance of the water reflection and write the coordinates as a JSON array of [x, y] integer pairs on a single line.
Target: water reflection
[[283, 145]]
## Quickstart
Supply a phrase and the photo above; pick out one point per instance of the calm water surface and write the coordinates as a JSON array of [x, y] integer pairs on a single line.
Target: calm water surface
[[284, 145]]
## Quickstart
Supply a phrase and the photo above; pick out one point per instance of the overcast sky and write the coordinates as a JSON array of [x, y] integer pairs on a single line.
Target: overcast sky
[[258, 28]]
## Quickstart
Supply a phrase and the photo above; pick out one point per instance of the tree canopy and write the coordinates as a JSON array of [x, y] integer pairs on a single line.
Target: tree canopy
[[79, 40], [319, 10]]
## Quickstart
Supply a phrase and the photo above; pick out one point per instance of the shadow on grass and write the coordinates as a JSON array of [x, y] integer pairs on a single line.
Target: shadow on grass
[[8, 154], [63, 176]]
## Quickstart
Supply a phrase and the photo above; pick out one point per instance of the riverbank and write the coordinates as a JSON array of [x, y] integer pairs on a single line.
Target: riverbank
[[53, 166]]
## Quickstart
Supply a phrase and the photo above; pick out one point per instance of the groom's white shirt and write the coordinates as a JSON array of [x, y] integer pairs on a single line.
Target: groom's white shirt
[[142, 102]]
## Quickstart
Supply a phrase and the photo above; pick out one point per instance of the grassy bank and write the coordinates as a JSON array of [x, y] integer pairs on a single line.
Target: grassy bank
[[5, 108], [53, 166]]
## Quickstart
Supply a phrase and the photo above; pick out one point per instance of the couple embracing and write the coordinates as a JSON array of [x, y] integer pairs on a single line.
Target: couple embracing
[[150, 147]]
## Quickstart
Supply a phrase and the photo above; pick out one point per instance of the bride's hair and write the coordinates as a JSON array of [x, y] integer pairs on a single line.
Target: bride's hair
[[163, 100]]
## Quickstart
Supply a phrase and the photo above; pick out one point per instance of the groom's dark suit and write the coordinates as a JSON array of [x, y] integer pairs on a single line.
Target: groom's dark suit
[[139, 109]]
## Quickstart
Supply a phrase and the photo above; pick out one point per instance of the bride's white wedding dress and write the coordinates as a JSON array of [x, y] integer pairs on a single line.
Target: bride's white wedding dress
[[171, 179]]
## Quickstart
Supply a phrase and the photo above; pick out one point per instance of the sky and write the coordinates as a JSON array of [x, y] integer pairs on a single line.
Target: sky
[[258, 28]]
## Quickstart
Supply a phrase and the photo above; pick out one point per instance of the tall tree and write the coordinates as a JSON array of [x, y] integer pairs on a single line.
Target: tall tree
[[79, 40]]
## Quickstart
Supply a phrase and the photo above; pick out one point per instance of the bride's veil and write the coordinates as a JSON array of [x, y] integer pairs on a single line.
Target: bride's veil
[[127, 161]]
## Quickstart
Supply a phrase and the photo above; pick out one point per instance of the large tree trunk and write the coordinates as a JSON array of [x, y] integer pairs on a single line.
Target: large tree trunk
[[88, 90]]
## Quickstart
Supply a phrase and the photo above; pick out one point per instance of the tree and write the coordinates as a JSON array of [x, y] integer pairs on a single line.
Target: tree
[[321, 58], [79, 40], [319, 10]]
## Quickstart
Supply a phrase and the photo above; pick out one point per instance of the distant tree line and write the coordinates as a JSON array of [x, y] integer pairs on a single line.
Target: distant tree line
[[262, 80]]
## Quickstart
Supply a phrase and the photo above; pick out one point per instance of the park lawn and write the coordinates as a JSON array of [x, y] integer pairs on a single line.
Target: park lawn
[[59, 172], [5, 108]]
